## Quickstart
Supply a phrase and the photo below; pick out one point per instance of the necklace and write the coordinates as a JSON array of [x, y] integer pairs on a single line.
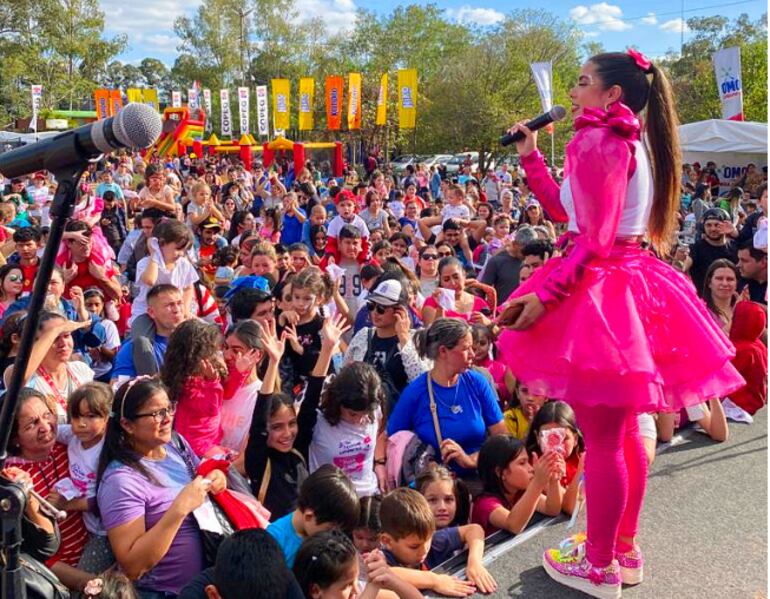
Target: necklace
[[455, 407]]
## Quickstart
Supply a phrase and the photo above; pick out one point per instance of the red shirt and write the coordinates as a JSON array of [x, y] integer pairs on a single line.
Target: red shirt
[[84, 279], [29, 272], [45, 473]]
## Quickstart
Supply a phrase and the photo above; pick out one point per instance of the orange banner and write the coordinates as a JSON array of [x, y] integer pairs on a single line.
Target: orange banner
[[334, 90], [103, 106], [116, 101]]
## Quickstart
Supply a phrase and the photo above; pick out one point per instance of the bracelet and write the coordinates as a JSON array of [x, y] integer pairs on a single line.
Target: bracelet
[[380, 462]]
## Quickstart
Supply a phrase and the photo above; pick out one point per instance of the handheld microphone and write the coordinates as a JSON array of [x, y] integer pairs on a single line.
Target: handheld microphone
[[556, 113], [135, 126]]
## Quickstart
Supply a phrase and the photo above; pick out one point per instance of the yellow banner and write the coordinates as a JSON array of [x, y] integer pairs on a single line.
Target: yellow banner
[[382, 101], [150, 97], [407, 98], [354, 101], [134, 94], [306, 95], [281, 103]]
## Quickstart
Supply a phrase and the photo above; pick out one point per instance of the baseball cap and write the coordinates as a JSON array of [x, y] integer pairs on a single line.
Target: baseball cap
[[532, 202], [716, 214], [210, 223], [388, 293]]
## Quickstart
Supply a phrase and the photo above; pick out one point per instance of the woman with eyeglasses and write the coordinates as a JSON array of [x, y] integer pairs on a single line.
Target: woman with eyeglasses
[[147, 490], [427, 269], [11, 284], [34, 449]]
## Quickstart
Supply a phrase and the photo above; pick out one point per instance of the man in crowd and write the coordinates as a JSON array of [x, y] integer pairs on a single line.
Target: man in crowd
[[714, 244]]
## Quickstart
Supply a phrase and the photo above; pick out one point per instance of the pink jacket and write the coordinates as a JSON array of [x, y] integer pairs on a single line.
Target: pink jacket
[[599, 162], [199, 413]]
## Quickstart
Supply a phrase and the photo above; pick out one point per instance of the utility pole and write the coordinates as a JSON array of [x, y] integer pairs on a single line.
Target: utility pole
[[681, 32], [242, 14]]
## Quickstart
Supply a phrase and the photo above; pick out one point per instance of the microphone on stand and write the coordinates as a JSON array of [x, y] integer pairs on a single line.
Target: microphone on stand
[[556, 113]]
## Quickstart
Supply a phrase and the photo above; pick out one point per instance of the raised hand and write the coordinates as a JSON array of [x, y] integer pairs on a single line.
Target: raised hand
[[271, 344], [333, 329]]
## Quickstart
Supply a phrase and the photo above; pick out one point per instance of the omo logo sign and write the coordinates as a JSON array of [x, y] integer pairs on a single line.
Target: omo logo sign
[[334, 98]]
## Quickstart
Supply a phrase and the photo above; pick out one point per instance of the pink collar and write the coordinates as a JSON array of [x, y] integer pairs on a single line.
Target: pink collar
[[618, 117]]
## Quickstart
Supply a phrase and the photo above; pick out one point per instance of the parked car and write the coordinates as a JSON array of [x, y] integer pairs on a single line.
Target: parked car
[[437, 160], [456, 162]]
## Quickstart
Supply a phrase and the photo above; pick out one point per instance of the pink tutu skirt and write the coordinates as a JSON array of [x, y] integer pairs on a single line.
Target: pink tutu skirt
[[633, 333]]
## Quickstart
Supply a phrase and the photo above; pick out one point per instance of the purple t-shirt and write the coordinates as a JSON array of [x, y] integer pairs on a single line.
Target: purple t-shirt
[[125, 495]]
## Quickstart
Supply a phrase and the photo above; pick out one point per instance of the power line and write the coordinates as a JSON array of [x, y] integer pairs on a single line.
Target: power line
[[679, 12]]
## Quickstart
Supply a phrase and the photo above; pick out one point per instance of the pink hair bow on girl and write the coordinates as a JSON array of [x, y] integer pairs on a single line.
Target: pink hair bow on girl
[[640, 59]]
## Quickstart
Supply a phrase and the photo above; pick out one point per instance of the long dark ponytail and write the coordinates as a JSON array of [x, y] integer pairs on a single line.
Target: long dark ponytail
[[651, 90]]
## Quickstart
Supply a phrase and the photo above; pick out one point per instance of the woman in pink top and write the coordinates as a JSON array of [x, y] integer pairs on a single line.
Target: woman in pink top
[[465, 306], [198, 381]]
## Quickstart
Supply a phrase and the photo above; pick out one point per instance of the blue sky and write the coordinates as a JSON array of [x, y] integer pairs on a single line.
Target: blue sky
[[653, 26]]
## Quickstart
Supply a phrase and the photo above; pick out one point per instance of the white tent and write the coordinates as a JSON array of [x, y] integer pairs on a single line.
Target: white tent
[[730, 144]]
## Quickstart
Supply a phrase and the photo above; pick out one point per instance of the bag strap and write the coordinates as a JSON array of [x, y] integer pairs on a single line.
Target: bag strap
[[434, 412], [180, 447], [265, 483]]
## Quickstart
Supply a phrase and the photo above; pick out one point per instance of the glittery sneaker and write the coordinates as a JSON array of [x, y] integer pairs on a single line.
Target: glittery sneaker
[[631, 566], [568, 565]]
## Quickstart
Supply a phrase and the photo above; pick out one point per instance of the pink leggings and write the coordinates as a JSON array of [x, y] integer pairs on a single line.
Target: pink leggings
[[615, 478]]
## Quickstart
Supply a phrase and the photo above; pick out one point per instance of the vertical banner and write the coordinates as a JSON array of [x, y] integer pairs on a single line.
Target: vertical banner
[[207, 108], [727, 67], [102, 100], [382, 102], [542, 72], [150, 97], [306, 97], [407, 98], [334, 89], [192, 98], [226, 118], [116, 101], [281, 104], [134, 94], [176, 99], [263, 124], [354, 101], [243, 109], [37, 96]]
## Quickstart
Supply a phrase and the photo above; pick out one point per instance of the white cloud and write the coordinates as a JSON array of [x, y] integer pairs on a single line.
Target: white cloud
[[337, 15], [147, 23], [479, 16], [591, 34], [606, 17], [675, 26], [650, 19]]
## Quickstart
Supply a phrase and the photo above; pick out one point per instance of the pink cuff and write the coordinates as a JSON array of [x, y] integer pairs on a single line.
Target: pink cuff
[[560, 282]]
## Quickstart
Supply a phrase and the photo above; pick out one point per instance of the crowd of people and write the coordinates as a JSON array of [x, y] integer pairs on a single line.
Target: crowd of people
[[324, 348]]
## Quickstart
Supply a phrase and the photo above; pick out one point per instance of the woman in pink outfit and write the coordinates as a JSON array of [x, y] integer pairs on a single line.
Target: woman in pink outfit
[[616, 331]]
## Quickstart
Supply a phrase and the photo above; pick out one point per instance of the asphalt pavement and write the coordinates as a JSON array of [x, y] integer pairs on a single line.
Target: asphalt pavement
[[703, 529]]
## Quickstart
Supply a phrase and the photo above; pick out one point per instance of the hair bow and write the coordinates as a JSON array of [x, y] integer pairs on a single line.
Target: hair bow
[[640, 59], [93, 587]]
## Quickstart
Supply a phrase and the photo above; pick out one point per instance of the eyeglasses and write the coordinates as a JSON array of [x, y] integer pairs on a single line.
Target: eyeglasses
[[160, 415], [430, 256], [371, 306], [444, 254], [15, 278]]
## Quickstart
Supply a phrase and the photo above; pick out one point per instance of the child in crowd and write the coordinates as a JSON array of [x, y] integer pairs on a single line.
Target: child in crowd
[[166, 264], [202, 206], [350, 252], [346, 218], [271, 225], [396, 206], [520, 414], [88, 409], [514, 488], [27, 241], [198, 380], [366, 535], [483, 342], [226, 259], [327, 567], [447, 496], [558, 416], [103, 354], [327, 500], [412, 546]]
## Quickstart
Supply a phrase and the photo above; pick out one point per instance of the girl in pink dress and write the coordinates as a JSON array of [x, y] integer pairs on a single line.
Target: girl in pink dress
[[616, 331], [89, 209]]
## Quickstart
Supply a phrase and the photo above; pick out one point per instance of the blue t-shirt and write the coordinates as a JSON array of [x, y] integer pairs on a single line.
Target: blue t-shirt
[[283, 531], [291, 232], [478, 411], [444, 544], [124, 360]]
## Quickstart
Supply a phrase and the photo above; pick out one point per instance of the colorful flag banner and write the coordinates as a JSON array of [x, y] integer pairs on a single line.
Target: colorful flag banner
[[407, 98], [243, 109], [150, 97], [727, 67], [102, 100], [176, 99], [37, 96], [192, 98], [134, 94], [281, 104], [226, 117], [306, 98], [334, 90], [542, 72], [354, 101], [116, 101], [382, 102], [207, 107], [263, 123]]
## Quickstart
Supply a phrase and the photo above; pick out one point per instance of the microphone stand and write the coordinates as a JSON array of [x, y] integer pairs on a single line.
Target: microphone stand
[[68, 167]]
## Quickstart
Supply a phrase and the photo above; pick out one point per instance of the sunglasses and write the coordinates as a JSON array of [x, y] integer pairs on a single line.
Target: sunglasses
[[430, 256], [444, 254], [371, 306], [15, 278]]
